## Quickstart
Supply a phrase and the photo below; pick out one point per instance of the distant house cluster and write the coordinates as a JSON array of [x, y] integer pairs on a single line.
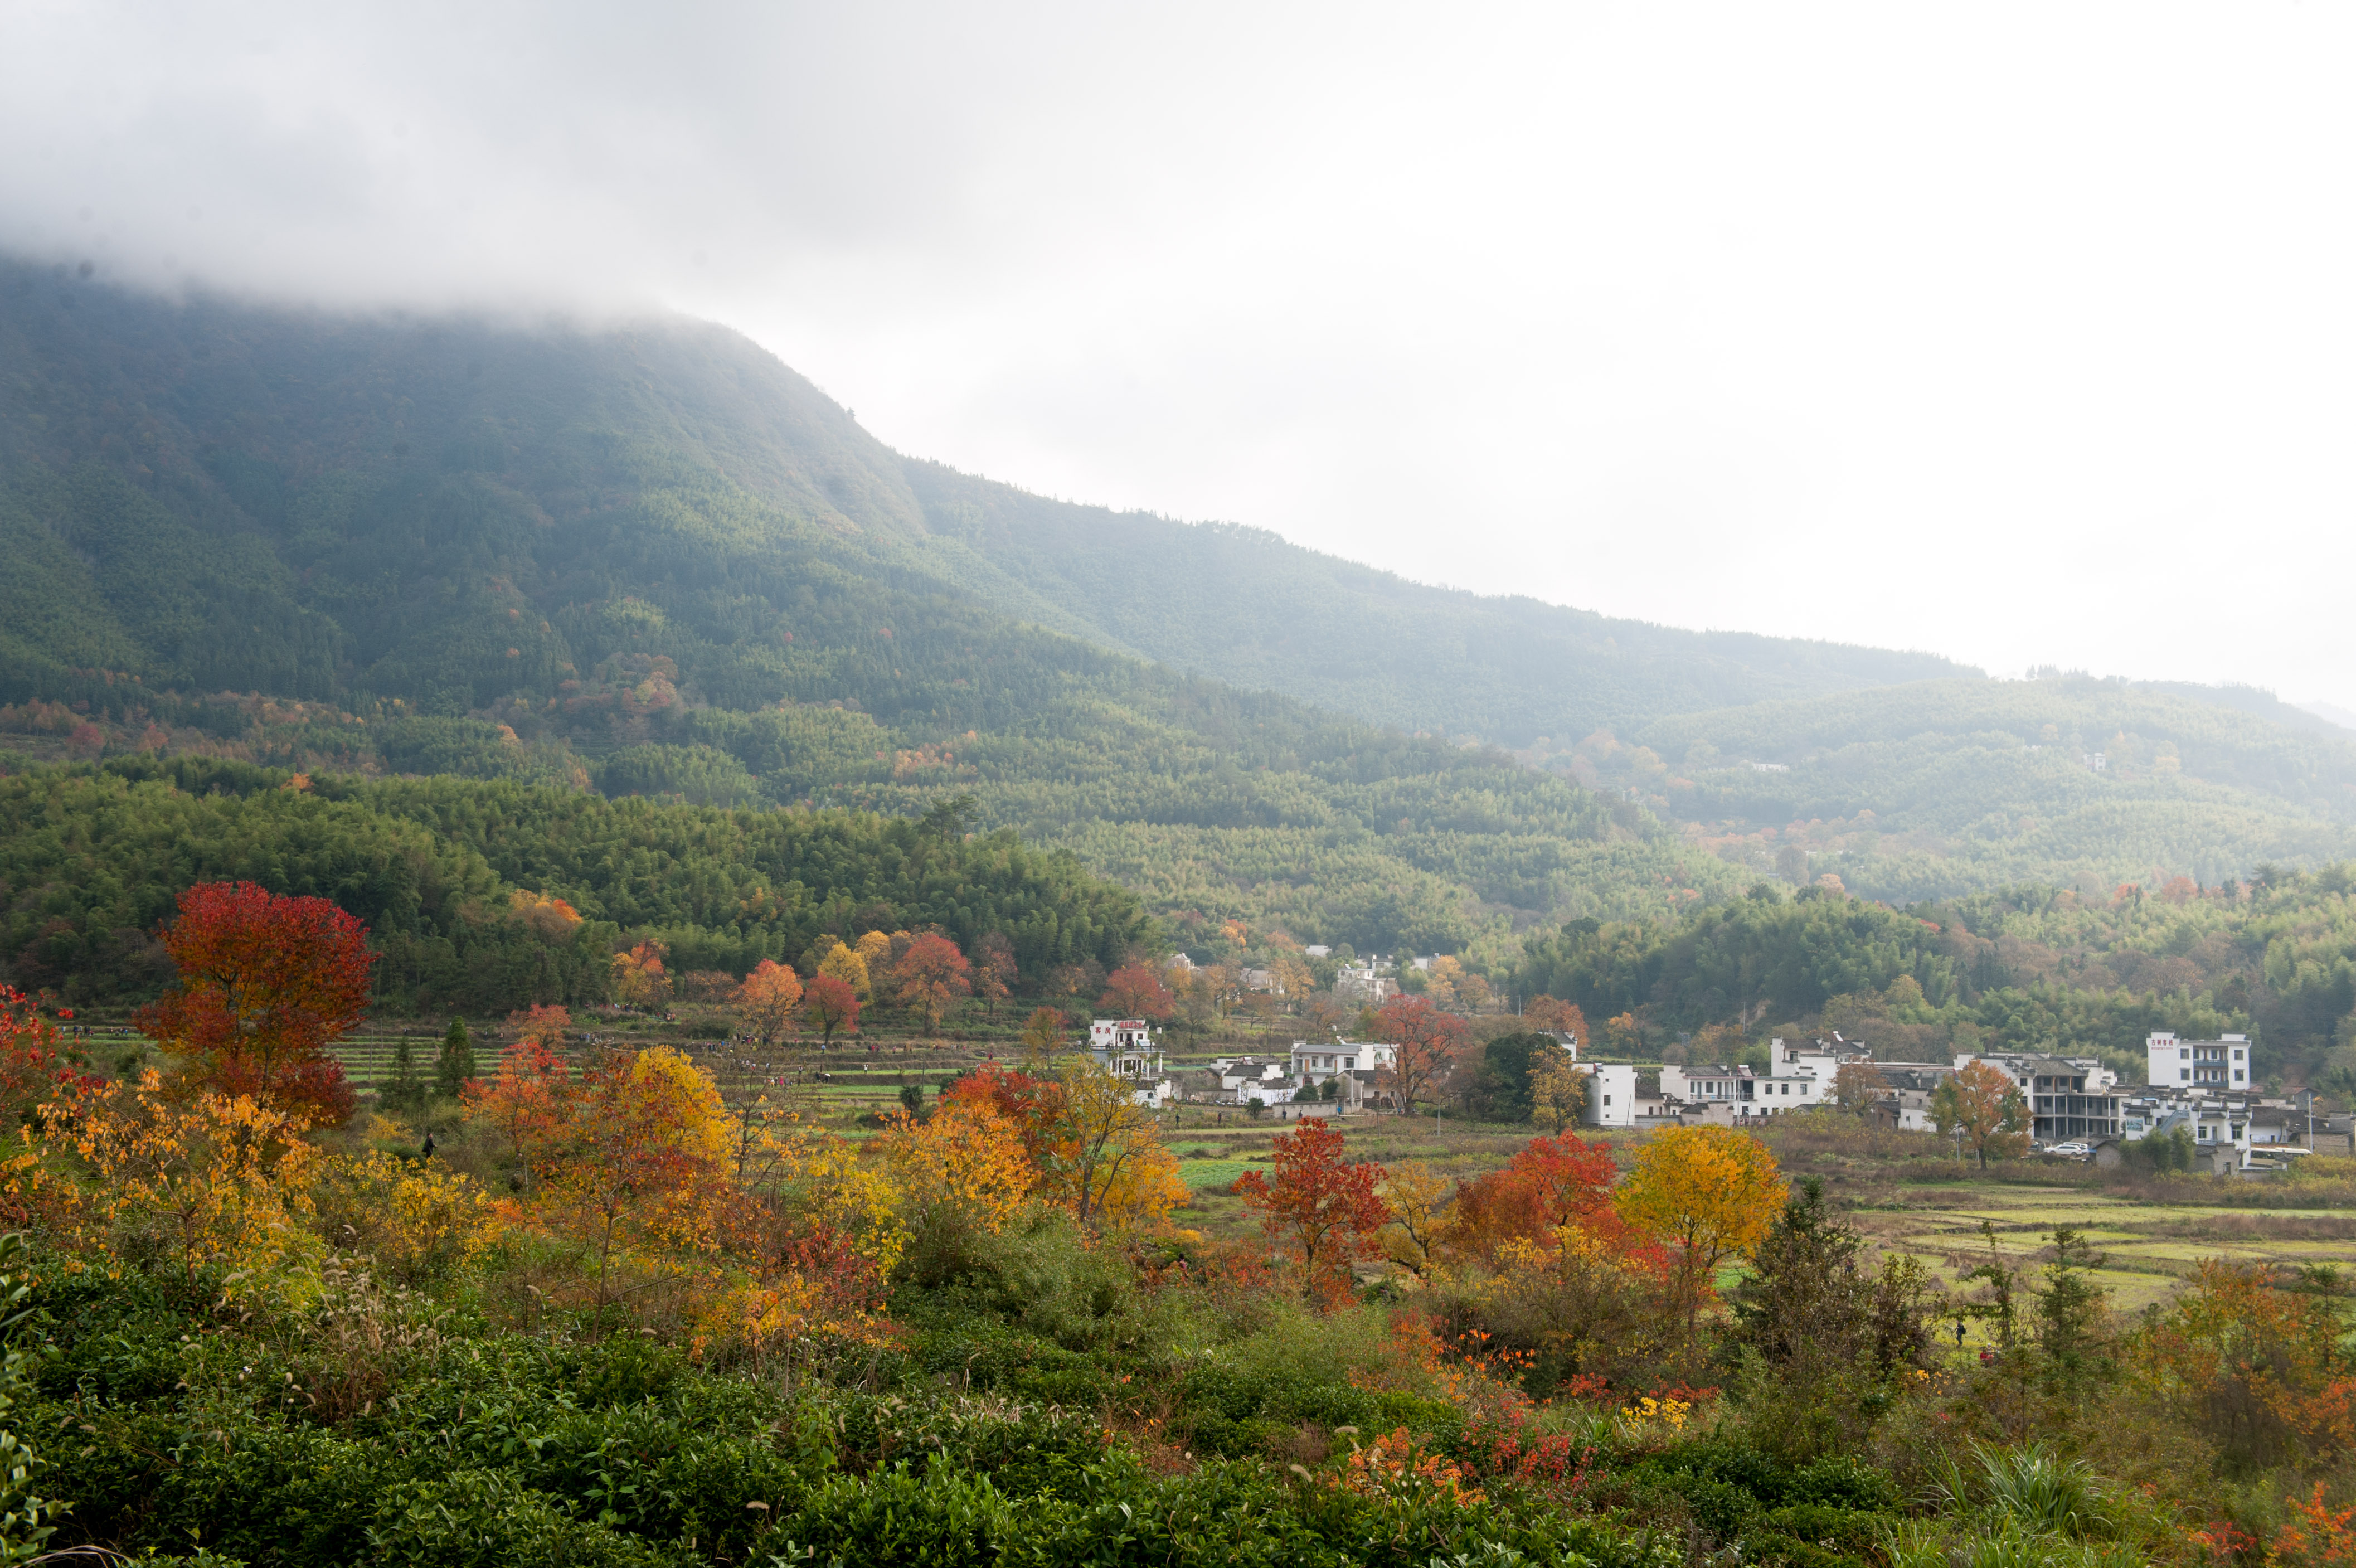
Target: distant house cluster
[[2202, 1087]]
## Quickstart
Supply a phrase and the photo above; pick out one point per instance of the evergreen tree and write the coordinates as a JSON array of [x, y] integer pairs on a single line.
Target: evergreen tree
[[2070, 1307], [458, 1062], [404, 1092], [1828, 1333]]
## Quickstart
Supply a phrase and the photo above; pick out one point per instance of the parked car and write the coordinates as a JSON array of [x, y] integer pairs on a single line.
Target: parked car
[[2073, 1150]]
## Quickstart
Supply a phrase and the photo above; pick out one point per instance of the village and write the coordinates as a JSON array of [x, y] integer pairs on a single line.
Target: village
[[2068, 1107]]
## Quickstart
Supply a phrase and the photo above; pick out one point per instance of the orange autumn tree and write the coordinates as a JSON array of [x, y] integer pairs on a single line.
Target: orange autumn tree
[[267, 984], [931, 977], [639, 978], [549, 918], [1326, 1208], [636, 1174], [769, 1001], [1548, 1184], [2262, 1370], [1030, 1103], [959, 1171], [1135, 991], [542, 1022], [1424, 1044], [530, 1098], [1090, 1147], [1556, 1017], [1986, 1107]]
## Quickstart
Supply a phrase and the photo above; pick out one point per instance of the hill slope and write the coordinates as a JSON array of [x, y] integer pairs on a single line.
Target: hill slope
[[660, 562], [1243, 605], [1936, 789], [655, 560]]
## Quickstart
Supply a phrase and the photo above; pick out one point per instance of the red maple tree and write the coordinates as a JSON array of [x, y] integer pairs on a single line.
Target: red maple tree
[[267, 984], [1550, 1183], [1323, 1205], [33, 1066], [829, 1004], [1425, 1042], [1134, 991]]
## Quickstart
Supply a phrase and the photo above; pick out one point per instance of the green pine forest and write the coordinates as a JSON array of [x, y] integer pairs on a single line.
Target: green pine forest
[[640, 619]]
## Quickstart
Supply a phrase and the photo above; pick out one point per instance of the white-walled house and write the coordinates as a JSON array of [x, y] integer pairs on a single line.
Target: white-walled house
[[1611, 1094], [1787, 1086], [2205, 1066], [1243, 1079], [1701, 1084], [1361, 982], [1317, 1060]]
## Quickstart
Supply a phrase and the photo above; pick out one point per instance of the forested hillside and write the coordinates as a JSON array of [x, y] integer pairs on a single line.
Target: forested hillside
[[2029, 968], [484, 897], [1243, 605], [653, 561], [1937, 788], [659, 563]]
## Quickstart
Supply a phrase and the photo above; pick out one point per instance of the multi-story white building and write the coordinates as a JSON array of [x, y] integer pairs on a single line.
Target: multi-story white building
[[1360, 984], [1314, 1061], [2068, 1097], [2201, 1065], [1788, 1084], [1125, 1048]]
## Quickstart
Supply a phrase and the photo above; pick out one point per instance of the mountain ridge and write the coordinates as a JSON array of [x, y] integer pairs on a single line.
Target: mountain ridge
[[658, 559]]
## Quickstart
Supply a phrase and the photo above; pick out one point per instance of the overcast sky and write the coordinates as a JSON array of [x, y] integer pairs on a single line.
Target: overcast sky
[[2021, 333]]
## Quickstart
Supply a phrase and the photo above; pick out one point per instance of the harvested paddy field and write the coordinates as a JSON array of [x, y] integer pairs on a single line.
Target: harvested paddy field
[[2145, 1249]]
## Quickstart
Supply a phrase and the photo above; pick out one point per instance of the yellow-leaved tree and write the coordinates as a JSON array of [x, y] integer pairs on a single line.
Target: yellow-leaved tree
[[638, 1174], [219, 1181], [1416, 1197], [844, 964], [1557, 1088], [1707, 1194], [960, 1170], [1103, 1156], [1043, 1038], [420, 1220]]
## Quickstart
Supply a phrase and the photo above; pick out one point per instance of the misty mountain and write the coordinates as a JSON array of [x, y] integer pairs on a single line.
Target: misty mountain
[[651, 557], [655, 560]]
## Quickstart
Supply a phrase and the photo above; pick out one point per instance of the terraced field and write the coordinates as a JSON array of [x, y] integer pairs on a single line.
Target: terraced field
[[2146, 1248]]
